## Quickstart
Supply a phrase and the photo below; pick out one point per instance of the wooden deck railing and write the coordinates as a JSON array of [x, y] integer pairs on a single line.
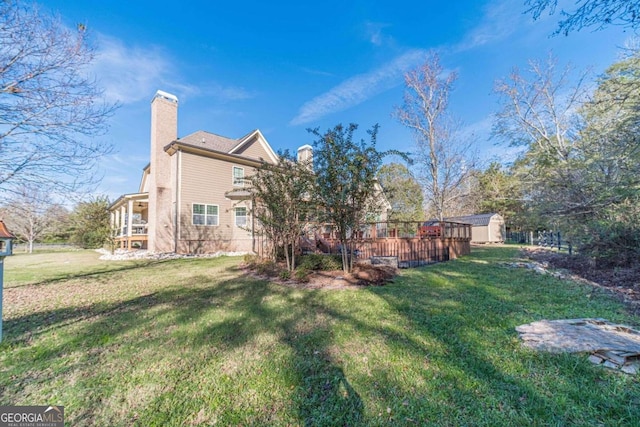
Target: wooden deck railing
[[412, 243]]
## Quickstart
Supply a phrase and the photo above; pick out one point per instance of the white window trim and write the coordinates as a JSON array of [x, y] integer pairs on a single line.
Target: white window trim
[[233, 176], [206, 205], [235, 216]]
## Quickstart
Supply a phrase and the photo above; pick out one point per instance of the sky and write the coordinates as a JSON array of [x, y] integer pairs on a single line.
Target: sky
[[286, 66]]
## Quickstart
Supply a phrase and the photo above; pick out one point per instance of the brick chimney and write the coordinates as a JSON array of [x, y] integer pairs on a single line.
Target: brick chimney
[[164, 130]]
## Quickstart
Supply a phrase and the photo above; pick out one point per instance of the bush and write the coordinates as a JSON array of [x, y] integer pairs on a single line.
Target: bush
[[262, 266], [320, 262], [268, 268], [251, 261], [302, 274], [285, 274], [614, 240]]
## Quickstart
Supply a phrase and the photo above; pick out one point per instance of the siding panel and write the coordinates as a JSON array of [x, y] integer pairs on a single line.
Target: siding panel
[[253, 150], [206, 180]]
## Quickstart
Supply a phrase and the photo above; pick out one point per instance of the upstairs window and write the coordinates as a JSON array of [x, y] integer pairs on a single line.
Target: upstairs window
[[238, 176], [205, 214]]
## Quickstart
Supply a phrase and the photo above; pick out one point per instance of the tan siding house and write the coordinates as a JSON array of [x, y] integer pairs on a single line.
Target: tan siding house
[[206, 181], [191, 197]]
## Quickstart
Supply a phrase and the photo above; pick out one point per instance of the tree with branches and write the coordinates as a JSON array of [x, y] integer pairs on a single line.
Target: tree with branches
[[589, 13], [29, 215], [281, 203], [50, 109], [541, 112], [403, 192], [444, 160], [92, 223], [345, 182], [581, 166]]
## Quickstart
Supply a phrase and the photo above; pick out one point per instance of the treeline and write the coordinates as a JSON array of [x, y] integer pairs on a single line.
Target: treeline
[[579, 170], [578, 162], [32, 218]]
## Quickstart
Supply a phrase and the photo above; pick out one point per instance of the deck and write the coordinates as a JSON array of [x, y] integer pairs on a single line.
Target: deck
[[412, 243]]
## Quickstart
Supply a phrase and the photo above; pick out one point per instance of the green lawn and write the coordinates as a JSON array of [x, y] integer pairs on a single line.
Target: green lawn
[[195, 342]]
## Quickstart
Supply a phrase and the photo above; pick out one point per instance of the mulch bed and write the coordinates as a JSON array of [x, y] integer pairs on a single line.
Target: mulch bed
[[363, 275], [622, 281]]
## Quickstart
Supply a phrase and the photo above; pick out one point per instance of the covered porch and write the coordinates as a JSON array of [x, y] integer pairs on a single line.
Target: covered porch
[[129, 217]]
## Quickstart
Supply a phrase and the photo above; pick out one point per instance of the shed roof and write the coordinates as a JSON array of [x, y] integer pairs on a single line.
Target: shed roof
[[479, 219]]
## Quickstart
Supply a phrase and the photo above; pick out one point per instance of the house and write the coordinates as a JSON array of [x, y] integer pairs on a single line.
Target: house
[[191, 197], [485, 228]]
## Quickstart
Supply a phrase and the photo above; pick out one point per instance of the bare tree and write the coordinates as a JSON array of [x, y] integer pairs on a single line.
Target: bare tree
[[581, 164], [26, 215], [443, 158], [540, 107], [50, 110], [589, 13], [541, 112]]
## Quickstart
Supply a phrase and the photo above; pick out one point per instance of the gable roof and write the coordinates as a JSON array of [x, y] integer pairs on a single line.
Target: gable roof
[[479, 219], [255, 135], [209, 141], [212, 143]]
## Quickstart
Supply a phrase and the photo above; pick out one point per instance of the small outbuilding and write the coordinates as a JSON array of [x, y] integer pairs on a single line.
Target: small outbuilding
[[485, 228]]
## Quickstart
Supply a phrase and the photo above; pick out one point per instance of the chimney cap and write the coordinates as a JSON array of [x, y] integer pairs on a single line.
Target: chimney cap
[[305, 147], [166, 95]]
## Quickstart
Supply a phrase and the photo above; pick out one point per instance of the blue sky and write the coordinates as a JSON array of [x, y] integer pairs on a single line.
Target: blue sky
[[284, 67]]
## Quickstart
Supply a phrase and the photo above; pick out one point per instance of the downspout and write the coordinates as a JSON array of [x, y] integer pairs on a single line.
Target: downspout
[[176, 221], [253, 228]]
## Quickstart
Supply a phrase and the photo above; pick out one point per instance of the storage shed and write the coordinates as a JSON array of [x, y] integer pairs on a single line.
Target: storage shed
[[485, 228]]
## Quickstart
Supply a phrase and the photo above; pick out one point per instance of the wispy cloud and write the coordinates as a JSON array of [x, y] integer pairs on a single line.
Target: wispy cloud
[[130, 73], [133, 73], [373, 32], [229, 93], [317, 72], [501, 19], [116, 161], [358, 89]]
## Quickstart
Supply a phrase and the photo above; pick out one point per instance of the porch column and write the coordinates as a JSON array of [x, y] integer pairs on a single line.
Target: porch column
[[122, 225], [130, 218]]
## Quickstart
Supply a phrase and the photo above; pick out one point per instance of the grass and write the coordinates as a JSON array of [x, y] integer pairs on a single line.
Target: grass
[[195, 342], [51, 266]]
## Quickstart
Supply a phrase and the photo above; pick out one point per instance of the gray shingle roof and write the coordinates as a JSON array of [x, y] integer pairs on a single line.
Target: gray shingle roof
[[480, 219], [209, 141]]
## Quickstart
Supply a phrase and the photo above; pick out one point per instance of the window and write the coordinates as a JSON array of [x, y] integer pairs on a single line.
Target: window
[[205, 214], [238, 176], [241, 217]]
